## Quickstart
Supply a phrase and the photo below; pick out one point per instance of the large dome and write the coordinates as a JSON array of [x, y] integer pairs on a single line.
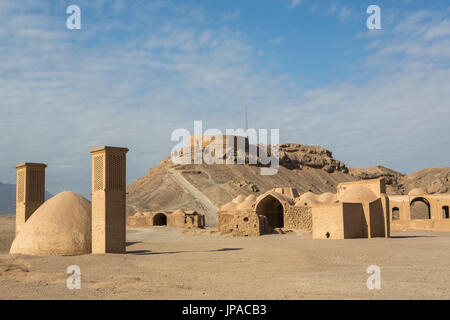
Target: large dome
[[358, 194], [60, 227]]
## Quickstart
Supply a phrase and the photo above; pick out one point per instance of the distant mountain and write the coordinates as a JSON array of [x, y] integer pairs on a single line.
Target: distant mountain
[[8, 197]]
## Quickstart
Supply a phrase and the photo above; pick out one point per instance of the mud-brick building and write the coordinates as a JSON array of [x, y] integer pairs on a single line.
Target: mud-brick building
[[420, 211], [178, 218]]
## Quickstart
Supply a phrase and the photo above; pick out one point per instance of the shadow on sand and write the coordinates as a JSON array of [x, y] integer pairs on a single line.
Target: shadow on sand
[[409, 237], [148, 252]]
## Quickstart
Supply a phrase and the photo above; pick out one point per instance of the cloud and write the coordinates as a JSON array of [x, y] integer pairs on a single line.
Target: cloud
[[278, 40], [62, 97], [344, 14], [295, 3], [233, 15], [116, 83]]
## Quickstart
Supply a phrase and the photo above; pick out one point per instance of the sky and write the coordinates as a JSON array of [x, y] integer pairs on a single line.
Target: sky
[[138, 70]]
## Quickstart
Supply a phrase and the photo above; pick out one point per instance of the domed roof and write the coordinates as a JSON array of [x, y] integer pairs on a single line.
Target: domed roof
[[310, 198], [247, 203], [240, 198], [358, 194], [308, 195], [306, 202], [228, 206], [327, 197], [239, 203], [59, 227], [417, 192]]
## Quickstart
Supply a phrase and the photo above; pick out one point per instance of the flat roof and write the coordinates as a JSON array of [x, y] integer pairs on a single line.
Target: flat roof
[[108, 148], [30, 164]]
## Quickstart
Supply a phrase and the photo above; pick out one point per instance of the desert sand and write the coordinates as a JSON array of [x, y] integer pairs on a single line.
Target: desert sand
[[165, 263]]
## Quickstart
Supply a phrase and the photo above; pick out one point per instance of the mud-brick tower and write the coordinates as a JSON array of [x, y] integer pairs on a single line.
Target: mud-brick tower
[[108, 199], [30, 191]]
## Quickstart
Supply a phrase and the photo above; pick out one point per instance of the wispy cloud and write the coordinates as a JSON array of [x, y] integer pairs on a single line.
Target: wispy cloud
[[295, 3], [117, 83], [278, 40], [233, 15], [344, 14], [61, 97]]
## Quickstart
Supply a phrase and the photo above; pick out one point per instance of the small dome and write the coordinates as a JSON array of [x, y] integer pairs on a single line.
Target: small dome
[[417, 192], [306, 203], [240, 198], [358, 194], [327, 197], [59, 227], [247, 203], [306, 199], [138, 214], [230, 206], [250, 198], [178, 211]]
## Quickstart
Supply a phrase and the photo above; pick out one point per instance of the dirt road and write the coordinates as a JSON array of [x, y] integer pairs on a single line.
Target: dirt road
[[210, 208]]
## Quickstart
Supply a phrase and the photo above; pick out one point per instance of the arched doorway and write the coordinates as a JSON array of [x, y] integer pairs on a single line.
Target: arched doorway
[[160, 219], [395, 214], [420, 209], [272, 208], [445, 212]]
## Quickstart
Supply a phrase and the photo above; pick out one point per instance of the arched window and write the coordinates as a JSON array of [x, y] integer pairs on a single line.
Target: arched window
[[420, 209], [445, 212], [395, 213], [272, 208]]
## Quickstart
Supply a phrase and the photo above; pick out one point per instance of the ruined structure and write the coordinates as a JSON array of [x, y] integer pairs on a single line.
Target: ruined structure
[[361, 211], [271, 211], [420, 211], [30, 191], [178, 218], [108, 199]]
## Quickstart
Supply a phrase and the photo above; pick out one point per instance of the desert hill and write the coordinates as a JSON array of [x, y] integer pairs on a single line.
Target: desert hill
[[433, 180], [206, 187], [307, 168]]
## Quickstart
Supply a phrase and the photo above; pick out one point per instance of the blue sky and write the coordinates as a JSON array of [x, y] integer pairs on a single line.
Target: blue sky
[[137, 70]]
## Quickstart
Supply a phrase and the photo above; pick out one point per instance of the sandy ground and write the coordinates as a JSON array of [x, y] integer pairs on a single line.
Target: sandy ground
[[164, 263]]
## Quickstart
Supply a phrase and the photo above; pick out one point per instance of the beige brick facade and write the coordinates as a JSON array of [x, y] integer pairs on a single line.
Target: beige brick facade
[[108, 200], [30, 191]]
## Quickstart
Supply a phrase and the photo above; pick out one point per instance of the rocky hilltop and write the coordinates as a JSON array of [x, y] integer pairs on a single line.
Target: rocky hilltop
[[307, 168], [297, 156], [170, 187], [432, 180]]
